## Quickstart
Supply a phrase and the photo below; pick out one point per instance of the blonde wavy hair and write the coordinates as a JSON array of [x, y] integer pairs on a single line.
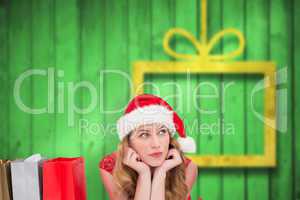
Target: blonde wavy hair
[[126, 178]]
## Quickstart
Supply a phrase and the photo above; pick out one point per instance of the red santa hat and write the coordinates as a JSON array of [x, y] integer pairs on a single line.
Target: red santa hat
[[147, 109]]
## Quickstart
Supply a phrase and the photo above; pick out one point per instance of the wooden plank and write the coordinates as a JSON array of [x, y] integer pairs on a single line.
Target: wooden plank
[[92, 62], [186, 83], [139, 30], [280, 49], [296, 92], [19, 62], [116, 86], [163, 18], [210, 130], [43, 124], [3, 81], [68, 74], [140, 34], [210, 111], [233, 91], [257, 49]]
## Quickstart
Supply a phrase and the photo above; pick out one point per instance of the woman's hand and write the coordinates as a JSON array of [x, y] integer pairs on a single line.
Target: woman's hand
[[173, 159], [133, 160]]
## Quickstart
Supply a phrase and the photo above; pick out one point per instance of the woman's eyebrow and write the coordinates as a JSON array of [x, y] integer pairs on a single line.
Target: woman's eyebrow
[[162, 126], [143, 130]]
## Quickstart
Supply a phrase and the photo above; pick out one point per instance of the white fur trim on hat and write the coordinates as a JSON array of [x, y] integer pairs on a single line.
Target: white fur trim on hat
[[145, 115], [187, 144]]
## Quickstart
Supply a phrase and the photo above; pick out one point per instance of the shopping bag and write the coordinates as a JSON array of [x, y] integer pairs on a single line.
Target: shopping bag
[[26, 178], [5, 183], [64, 179]]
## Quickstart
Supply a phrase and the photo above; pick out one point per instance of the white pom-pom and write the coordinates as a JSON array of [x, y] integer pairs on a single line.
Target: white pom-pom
[[187, 144]]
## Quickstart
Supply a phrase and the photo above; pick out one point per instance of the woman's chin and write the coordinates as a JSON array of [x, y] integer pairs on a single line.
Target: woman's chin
[[155, 163]]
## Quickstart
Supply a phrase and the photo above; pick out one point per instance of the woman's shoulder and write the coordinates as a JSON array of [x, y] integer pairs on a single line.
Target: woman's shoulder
[[187, 161], [108, 162]]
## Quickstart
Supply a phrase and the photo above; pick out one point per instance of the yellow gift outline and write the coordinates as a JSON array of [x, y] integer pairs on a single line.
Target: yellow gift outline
[[268, 159], [204, 63]]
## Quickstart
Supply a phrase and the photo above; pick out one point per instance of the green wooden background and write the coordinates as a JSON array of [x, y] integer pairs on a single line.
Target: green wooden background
[[83, 38]]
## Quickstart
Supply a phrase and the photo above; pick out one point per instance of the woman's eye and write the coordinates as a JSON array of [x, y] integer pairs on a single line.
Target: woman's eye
[[144, 135], [162, 131]]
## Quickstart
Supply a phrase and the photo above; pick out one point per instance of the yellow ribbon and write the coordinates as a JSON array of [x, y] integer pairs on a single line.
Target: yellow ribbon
[[203, 47]]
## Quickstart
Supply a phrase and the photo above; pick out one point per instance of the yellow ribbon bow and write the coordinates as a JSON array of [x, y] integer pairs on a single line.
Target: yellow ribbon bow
[[203, 48]]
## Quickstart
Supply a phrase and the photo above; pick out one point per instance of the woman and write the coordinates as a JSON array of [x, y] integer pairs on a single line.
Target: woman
[[149, 163]]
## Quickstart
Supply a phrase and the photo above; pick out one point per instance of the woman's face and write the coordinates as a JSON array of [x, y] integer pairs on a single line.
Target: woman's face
[[149, 139]]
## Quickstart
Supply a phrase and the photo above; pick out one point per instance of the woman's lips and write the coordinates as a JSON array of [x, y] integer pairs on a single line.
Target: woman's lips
[[156, 155]]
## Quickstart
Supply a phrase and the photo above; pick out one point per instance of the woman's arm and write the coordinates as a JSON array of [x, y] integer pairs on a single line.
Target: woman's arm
[[191, 174], [142, 189], [158, 185], [159, 177], [110, 186], [143, 185]]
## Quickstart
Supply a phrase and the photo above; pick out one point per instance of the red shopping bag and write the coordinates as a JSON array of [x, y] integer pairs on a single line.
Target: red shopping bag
[[64, 179]]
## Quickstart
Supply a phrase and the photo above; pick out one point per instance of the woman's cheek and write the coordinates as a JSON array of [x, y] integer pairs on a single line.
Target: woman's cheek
[[165, 143], [141, 146]]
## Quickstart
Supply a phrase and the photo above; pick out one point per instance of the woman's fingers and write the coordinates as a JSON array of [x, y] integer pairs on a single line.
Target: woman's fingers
[[132, 159], [128, 153], [131, 156], [170, 153], [174, 153], [139, 158], [174, 160]]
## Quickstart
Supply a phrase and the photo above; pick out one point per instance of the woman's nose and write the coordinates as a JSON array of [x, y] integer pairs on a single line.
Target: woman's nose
[[155, 142]]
